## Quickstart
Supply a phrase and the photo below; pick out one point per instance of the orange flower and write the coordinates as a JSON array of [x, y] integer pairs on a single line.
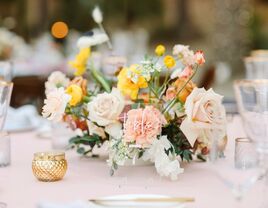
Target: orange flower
[[176, 86]]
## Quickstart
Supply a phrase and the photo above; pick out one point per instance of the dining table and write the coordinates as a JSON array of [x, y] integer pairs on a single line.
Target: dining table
[[88, 178]]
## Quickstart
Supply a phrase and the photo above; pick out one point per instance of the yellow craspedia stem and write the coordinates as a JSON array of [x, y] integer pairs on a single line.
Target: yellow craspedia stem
[[76, 93], [80, 62], [169, 61], [160, 50]]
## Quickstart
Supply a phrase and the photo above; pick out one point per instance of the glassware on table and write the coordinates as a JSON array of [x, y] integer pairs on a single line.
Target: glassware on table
[[256, 67], [252, 101], [259, 53], [245, 153], [5, 95], [4, 149], [6, 72]]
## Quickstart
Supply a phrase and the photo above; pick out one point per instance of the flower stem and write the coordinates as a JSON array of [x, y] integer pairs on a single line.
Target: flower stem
[[174, 100]]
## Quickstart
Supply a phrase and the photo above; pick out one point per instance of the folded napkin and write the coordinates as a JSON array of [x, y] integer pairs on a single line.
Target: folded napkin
[[23, 118], [76, 204]]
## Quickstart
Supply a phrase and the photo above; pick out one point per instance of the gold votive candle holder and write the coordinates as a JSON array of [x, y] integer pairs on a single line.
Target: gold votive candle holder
[[49, 166]]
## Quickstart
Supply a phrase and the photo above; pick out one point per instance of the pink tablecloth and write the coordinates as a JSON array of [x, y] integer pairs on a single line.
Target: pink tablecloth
[[87, 178]]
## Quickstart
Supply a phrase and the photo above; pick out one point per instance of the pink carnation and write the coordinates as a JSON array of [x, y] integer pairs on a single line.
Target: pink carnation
[[143, 125]]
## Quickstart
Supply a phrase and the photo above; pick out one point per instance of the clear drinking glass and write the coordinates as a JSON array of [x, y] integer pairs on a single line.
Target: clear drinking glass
[[256, 67], [5, 95], [252, 101], [245, 153], [6, 72], [4, 149]]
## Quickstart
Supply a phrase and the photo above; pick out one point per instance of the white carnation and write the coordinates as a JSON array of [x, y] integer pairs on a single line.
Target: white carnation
[[55, 104]]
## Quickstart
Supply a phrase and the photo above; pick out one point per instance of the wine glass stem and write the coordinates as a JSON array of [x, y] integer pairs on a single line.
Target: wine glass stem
[[263, 163]]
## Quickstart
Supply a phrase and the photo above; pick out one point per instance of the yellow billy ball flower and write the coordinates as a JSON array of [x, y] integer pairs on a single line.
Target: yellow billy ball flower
[[76, 93], [160, 50], [80, 62], [169, 61]]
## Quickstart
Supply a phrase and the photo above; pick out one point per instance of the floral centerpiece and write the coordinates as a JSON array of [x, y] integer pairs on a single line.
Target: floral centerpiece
[[153, 112]]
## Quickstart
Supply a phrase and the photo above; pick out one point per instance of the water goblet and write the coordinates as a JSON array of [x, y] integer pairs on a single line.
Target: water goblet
[[252, 101]]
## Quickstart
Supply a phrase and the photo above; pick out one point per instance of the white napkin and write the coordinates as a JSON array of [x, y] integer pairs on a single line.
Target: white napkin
[[23, 118], [76, 204]]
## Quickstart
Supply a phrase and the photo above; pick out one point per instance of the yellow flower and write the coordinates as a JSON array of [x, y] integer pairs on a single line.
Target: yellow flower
[[80, 62], [130, 81], [169, 61], [160, 50], [76, 93]]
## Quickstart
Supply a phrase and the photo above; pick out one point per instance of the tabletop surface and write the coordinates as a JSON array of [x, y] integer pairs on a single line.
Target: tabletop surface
[[87, 178]]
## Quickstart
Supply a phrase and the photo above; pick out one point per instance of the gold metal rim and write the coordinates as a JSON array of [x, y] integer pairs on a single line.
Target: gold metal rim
[[244, 140], [250, 81], [6, 83], [49, 156], [255, 58]]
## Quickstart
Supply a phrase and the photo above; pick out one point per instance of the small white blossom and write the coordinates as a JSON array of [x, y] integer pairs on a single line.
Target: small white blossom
[[55, 104], [185, 54], [88, 41], [56, 80], [165, 165], [97, 15]]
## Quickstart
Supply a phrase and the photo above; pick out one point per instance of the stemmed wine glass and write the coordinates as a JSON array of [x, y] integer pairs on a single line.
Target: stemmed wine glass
[[252, 101], [238, 179]]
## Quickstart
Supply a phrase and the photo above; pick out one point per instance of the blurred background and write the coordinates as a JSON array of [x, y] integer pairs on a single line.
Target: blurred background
[[37, 44]]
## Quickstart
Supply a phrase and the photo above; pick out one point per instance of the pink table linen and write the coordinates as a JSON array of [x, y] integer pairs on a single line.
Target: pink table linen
[[88, 178]]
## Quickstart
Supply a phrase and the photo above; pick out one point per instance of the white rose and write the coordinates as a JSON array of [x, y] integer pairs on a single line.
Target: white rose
[[105, 110], [205, 114]]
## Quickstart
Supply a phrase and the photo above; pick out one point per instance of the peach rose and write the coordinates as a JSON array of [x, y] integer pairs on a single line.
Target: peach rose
[[143, 125], [205, 113], [176, 86]]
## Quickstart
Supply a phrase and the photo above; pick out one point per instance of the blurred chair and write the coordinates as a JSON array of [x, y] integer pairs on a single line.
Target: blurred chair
[[28, 90], [208, 78]]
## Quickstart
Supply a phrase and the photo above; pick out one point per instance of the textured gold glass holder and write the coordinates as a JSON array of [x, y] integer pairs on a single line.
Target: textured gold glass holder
[[49, 166]]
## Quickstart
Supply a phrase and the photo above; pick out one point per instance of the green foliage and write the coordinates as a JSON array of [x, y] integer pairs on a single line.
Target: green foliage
[[88, 140], [181, 145]]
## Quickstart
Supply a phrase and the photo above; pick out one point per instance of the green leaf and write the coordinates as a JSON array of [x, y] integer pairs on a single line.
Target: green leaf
[[180, 143]]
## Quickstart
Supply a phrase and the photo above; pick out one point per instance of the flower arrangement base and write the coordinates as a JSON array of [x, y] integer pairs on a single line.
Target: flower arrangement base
[[138, 162]]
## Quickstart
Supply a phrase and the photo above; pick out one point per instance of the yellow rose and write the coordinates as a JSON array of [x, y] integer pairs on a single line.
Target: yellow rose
[[80, 62], [76, 93], [130, 81], [160, 50], [169, 61]]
